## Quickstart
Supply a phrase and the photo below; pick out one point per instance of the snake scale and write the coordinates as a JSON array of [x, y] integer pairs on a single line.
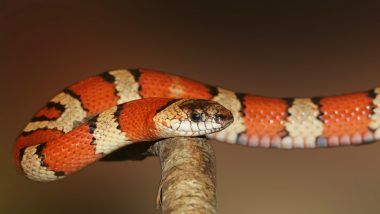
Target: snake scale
[[103, 113]]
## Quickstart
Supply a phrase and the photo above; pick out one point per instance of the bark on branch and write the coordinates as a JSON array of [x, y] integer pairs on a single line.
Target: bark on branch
[[188, 181]]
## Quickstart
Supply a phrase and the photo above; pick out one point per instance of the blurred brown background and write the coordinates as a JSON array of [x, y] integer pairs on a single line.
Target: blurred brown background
[[277, 48]]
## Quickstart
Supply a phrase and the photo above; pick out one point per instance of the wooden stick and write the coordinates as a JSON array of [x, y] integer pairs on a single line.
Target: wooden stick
[[188, 181]]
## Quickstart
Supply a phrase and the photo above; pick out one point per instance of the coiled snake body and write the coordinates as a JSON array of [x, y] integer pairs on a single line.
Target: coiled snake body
[[89, 119]]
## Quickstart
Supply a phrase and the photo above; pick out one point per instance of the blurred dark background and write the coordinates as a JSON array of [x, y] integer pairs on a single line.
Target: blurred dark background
[[276, 48]]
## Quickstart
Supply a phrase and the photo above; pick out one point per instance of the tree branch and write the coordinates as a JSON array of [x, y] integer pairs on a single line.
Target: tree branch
[[188, 181]]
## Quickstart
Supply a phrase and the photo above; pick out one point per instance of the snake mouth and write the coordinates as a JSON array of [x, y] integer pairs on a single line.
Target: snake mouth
[[186, 128], [195, 133]]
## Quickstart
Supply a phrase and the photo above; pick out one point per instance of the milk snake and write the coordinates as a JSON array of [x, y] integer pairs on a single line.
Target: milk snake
[[89, 119]]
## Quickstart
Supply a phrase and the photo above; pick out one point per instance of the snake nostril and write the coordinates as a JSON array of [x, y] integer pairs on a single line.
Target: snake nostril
[[220, 118]]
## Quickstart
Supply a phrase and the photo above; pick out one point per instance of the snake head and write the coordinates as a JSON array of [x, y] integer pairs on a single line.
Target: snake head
[[192, 117]]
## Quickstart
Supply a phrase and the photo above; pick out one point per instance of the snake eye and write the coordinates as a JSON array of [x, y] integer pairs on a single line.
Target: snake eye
[[195, 117]]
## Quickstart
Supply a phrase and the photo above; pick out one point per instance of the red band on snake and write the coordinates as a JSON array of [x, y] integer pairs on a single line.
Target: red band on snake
[[103, 113]]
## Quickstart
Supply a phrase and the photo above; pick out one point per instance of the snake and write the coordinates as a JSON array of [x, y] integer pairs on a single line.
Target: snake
[[103, 113]]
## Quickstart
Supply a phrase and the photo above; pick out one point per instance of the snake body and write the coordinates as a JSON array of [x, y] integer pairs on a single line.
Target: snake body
[[120, 107]]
